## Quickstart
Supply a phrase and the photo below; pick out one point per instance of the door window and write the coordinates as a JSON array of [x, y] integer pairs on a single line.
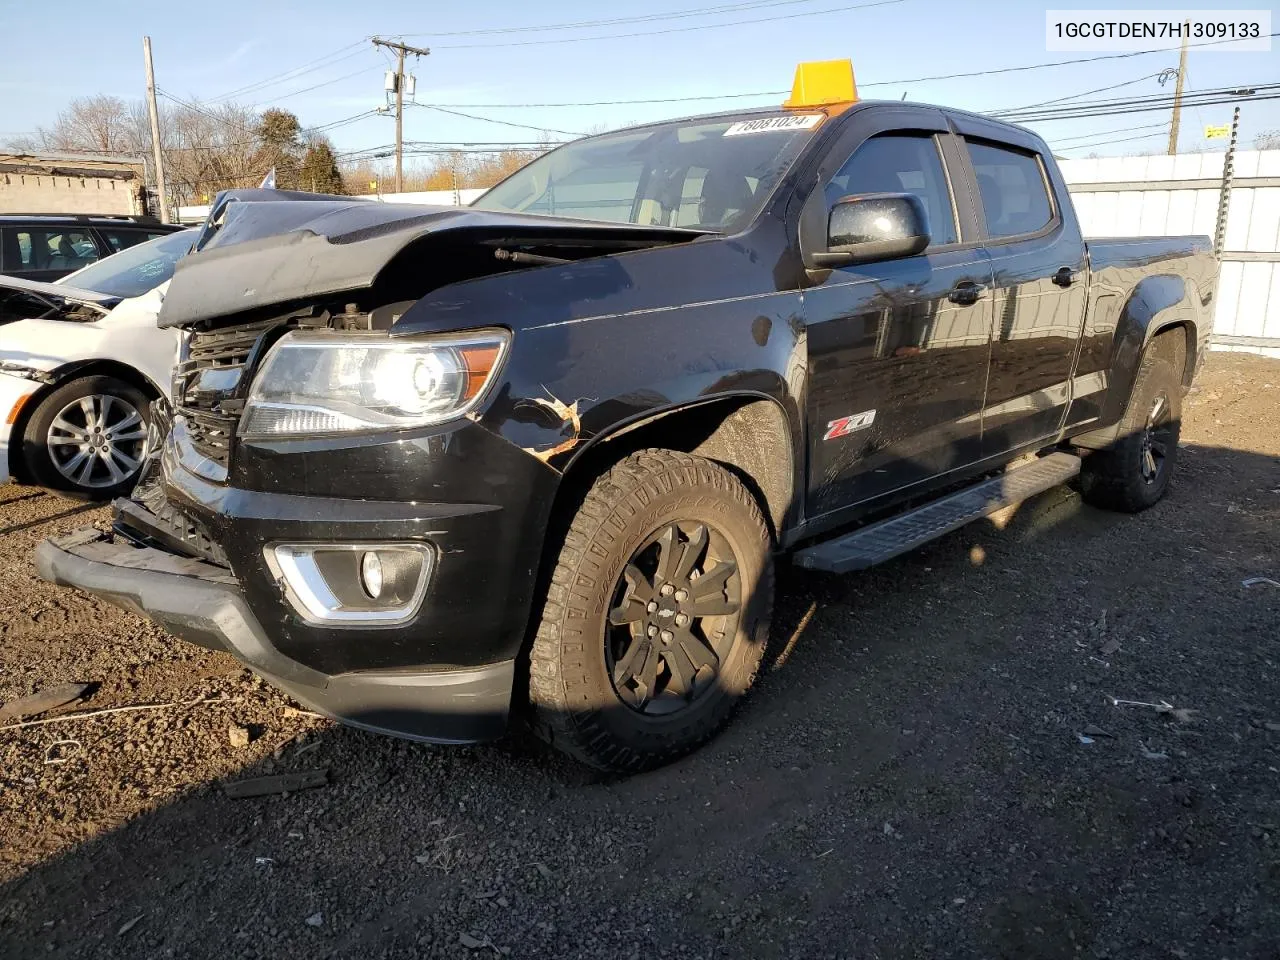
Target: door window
[[121, 239], [1015, 197], [48, 248], [900, 163]]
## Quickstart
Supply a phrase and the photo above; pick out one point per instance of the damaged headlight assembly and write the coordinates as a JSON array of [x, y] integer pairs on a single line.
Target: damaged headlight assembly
[[323, 383]]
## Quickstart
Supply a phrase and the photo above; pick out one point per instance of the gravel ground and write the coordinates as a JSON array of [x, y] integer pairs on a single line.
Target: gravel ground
[[910, 779]]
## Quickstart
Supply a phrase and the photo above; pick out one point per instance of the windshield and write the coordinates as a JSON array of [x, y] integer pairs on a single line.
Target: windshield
[[702, 174], [135, 270]]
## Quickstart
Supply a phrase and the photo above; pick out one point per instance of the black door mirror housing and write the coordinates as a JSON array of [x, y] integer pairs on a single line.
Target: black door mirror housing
[[874, 226]]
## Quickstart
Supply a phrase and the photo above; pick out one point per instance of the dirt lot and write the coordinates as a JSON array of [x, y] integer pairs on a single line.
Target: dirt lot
[[909, 780]]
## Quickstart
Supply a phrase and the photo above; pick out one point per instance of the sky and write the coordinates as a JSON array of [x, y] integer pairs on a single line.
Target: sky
[[316, 61]]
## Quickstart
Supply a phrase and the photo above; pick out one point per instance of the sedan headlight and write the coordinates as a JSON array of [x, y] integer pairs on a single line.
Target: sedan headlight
[[314, 383]]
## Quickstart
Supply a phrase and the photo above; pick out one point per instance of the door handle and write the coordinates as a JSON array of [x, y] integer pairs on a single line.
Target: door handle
[[1064, 277], [966, 293]]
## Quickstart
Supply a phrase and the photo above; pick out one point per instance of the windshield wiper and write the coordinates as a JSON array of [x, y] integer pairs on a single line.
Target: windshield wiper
[[519, 256]]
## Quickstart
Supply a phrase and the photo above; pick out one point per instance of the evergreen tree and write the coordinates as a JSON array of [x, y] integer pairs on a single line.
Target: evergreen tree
[[280, 146], [319, 171]]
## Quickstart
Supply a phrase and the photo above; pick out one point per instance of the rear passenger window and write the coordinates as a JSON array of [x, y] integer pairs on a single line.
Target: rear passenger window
[[123, 239], [900, 163], [1015, 197]]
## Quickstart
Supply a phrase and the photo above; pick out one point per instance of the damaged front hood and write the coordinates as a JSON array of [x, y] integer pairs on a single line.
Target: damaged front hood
[[269, 252]]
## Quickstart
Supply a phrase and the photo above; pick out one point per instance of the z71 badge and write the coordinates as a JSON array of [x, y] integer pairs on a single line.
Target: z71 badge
[[847, 425]]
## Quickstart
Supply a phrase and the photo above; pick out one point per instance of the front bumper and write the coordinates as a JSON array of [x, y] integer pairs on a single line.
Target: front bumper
[[202, 603], [13, 392]]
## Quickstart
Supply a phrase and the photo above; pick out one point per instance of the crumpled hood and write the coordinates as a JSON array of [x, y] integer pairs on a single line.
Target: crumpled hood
[[270, 252]]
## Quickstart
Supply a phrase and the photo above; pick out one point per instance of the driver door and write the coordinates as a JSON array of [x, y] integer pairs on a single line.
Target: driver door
[[898, 349]]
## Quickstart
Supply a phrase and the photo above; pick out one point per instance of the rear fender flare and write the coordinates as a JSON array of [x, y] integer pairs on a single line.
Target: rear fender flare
[[1155, 305]]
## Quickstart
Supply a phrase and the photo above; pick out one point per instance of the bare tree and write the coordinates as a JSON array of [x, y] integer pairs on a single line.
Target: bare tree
[[208, 149], [100, 124], [1267, 140]]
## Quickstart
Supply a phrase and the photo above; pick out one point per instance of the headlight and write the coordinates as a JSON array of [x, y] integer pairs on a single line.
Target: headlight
[[326, 383]]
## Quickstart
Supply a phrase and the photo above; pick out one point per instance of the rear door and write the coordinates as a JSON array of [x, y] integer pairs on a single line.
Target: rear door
[[1040, 277], [897, 349]]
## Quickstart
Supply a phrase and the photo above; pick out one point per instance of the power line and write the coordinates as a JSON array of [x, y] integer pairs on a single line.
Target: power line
[[1103, 108], [1082, 110], [1095, 133], [1146, 108], [472, 150], [423, 147], [317, 86], [316, 64], [1104, 143], [1085, 93], [504, 123], [668, 30], [318, 128], [334, 124], [875, 83], [622, 103], [227, 121], [1058, 63], [619, 21]]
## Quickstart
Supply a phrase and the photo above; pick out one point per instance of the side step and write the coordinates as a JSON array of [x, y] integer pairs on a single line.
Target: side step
[[887, 539]]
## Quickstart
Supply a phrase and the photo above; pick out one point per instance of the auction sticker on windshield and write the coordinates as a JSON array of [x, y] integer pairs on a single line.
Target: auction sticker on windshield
[[786, 121]]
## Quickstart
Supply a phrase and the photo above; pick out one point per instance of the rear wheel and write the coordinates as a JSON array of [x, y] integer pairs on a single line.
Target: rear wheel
[[656, 616], [1134, 472], [88, 438]]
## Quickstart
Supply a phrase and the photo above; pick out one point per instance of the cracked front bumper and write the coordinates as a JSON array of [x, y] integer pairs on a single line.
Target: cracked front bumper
[[203, 604]]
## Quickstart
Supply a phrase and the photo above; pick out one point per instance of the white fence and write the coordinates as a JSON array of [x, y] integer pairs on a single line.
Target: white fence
[[1151, 196]]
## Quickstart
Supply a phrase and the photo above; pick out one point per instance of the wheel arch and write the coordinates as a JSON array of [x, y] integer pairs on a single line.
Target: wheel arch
[[749, 434], [60, 376], [1157, 305]]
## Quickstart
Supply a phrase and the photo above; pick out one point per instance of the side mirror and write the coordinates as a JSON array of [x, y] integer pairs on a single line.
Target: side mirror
[[874, 226]]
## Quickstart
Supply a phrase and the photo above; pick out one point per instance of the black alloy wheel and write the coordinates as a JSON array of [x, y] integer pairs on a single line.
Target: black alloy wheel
[[675, 615]]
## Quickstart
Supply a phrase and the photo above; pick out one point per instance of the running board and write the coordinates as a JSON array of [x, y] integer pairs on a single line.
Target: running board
[[887, 539]]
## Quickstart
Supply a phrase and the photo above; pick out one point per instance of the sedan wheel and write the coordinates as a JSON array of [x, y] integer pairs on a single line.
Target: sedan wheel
[[87, 438], [97, 441]]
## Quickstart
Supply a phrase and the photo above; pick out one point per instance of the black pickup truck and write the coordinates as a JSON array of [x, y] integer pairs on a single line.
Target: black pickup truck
[[428, 467]]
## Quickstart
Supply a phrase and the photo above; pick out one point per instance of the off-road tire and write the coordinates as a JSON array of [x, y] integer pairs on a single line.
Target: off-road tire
[[1114, 478], [575, 705], [37, 459]]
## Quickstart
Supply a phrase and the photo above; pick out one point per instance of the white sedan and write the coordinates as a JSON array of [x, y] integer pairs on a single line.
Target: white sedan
[[80, 362]]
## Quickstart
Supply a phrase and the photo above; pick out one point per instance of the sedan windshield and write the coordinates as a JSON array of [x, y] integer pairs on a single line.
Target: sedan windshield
[[704, 174], [134, 270]]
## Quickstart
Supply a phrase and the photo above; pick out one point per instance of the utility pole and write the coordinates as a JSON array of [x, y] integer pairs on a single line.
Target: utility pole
[[155, 131], [1177, 92], [401, 50]]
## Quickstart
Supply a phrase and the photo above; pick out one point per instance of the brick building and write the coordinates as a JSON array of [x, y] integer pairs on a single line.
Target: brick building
[[71, 183]]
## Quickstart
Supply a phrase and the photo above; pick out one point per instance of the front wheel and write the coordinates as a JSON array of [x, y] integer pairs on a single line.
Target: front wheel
[[657, 613], [88, 438]]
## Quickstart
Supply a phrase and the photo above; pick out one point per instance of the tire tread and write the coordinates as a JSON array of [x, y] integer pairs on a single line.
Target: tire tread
[[562, 714]]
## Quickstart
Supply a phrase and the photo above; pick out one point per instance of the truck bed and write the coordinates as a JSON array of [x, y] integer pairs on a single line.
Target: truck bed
[[1119, 263]]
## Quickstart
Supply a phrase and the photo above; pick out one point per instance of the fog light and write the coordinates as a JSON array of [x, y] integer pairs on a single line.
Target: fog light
[[365, 584], [371, 575]]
